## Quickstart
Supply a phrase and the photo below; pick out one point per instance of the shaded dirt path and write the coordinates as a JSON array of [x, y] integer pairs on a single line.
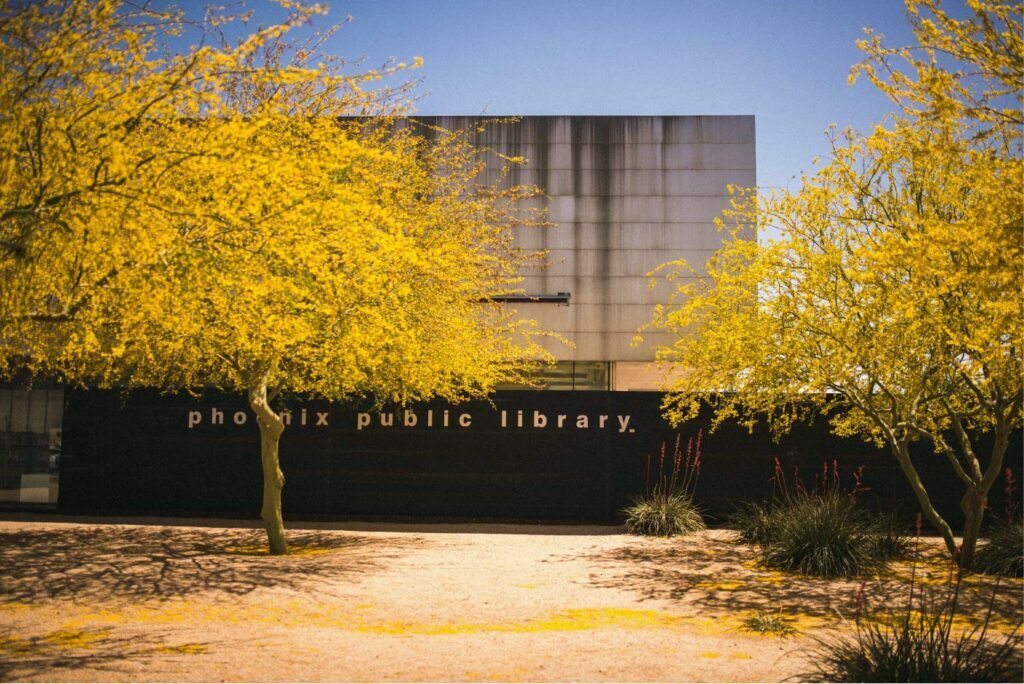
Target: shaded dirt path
[[481, 602]]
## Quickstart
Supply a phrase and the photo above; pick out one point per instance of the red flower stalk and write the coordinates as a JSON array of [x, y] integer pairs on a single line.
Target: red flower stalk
[[661, 463], [647, 478], [780, 479], [696, 468], [859, 600]]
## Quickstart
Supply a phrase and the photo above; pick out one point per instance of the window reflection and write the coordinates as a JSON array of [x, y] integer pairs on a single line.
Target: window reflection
[[572, 375], [30, 442]]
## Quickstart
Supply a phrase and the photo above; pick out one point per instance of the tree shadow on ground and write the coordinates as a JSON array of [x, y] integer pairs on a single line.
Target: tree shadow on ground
[[714, 575], [44, 655], [151, 563]]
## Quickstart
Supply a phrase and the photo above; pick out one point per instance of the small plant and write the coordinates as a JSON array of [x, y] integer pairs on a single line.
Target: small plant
[[1004, 552], [824, 536], [888, 542], [768, 623], [918, 648], [920, 644], [667, 508], [663, 515], [823, 532], [756, 523]]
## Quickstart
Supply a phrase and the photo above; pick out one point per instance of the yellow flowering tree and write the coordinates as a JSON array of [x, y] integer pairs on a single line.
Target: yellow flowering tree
[[891, 298], [258, 240], [98, 111]]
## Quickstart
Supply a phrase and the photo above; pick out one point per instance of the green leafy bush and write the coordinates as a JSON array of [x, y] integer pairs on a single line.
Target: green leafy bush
[[1003, 554]]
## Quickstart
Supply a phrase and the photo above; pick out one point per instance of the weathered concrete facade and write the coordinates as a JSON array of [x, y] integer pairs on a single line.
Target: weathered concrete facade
[[628, 193]]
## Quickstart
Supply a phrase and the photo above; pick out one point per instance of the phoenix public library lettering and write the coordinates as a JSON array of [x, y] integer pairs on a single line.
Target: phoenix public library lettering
[[410, 418], [627, 194]]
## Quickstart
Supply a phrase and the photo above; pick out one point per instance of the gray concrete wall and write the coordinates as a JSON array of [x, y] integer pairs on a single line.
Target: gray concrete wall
[[628, 193]]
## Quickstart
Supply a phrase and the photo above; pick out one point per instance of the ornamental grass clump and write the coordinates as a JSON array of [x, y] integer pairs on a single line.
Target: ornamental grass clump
[[924, 641], [919, 646], [667, 508], [888, 540], [824, 536], [663, 514], [822, 532], [757, 523], [1003, 554]]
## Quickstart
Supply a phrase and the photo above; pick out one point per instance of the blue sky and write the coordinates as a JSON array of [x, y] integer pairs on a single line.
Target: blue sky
[[784, 61]]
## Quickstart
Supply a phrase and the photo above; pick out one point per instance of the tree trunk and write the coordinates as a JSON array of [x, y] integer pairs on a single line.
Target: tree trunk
[[975, 502], [271, 427], [973, 505], [902, 453]]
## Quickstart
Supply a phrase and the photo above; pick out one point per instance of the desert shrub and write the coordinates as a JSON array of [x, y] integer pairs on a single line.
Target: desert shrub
[[768, 623], [1003, 554], [825, 535], [917, 650], [756, 523], [667, 508], [888, 540], [823, 531], [818, 532], [663, 514], [919, 644]]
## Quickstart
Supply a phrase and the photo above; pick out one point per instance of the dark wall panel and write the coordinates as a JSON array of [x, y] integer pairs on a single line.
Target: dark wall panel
[[146, 453]]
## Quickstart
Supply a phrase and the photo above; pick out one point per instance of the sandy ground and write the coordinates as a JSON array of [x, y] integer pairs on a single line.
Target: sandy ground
[[85, 601]]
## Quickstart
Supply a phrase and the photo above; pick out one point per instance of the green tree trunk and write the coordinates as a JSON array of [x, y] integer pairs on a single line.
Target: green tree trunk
[[973, 505], [901, 451], [975, 502], [271, 427]]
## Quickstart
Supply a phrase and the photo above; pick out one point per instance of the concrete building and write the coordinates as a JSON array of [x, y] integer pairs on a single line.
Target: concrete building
[[628, 193]]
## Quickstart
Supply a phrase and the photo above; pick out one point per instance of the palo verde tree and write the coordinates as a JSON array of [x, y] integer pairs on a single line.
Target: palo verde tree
[[891, 298], [97, 112], [278, 248]]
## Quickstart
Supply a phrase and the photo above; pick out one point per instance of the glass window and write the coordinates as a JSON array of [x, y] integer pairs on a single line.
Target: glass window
[[30, 441], [572, 376]]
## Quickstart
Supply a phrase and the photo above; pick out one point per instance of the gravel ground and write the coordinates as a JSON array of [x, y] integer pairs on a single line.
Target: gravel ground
[[167, 601]]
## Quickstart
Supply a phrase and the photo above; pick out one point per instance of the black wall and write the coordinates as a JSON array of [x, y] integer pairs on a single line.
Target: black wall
[[136, 454]]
